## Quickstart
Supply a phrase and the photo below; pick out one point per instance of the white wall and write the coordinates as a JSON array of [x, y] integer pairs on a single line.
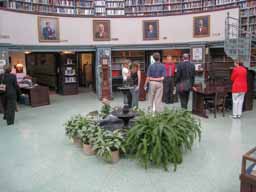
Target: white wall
[[22, 29]]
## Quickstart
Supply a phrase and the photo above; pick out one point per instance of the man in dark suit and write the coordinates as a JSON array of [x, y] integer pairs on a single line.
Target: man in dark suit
[[10, 95], [185, 78], [151, 32], [101, 33], [49, 32]]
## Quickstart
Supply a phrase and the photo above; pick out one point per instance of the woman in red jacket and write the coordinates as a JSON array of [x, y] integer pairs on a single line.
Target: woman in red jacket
[[239, 88]]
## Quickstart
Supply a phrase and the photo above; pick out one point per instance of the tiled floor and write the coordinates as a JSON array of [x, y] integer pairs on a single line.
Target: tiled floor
[[36, 156]]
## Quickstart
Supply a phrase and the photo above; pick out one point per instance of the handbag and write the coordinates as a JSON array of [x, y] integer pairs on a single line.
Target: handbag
[[184, 85], [2, 86]]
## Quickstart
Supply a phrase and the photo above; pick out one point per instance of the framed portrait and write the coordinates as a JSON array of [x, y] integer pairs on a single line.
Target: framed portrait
[[201, 26], [197, 54], [48, 29], [101, 30], [150, 30]]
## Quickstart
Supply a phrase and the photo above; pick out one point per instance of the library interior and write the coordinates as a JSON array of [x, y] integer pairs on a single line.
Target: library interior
[[127, 95]]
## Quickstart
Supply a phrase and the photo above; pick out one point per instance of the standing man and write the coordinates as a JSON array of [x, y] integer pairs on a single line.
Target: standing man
[[169, 80], [155, 77], [185, 78]]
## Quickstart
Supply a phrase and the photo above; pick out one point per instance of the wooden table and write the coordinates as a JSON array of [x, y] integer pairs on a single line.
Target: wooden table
[[38, 95]]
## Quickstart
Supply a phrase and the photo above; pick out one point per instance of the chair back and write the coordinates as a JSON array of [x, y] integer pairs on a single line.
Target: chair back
[[221, 94]]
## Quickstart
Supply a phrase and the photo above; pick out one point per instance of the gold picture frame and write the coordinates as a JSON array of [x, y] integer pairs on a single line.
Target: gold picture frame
[[101, 30], [48, 29], [201, 26], [150, 29]]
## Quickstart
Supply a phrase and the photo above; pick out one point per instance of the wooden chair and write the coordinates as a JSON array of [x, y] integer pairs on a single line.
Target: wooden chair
[[218, 102]]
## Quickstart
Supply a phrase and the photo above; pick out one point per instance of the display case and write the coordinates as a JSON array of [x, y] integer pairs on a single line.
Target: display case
[[68, 78], [248, 172]]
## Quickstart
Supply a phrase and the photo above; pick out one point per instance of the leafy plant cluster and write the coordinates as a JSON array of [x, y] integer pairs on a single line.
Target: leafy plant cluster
[[154, 139], [89, 132], [106, 141], [74, 125], [160, 139], [105, 110]]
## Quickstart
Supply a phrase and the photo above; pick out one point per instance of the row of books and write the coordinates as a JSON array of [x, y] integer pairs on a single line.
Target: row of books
[[115, 12], [248, 12], [126, 7], [172, 7], [192, 5], [119, 5]]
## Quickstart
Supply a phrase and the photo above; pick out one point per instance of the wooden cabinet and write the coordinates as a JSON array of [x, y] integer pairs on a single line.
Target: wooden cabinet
[[105, 78]]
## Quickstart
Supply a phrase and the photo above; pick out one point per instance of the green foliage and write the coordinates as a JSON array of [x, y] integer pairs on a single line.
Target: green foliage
[[106, 141], [88, 131], [105, 110], [75, 124], [160, 139]]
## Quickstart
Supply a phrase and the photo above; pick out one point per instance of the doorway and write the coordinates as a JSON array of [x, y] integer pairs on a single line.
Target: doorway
[[86, 70]]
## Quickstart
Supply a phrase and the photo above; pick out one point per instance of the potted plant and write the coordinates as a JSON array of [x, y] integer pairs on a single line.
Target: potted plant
[[87, 134], [73, 126], [159, 139], [105, 109], [108, 144]]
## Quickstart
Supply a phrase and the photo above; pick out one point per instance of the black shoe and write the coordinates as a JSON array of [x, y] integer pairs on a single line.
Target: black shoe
[[10, 124]]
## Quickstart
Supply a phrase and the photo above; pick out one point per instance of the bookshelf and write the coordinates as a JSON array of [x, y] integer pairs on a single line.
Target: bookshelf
[[42, 68], [68, 78], [248, 17], [127, 7], [84, 7], [219, 66], [115, 7], [100, 8]]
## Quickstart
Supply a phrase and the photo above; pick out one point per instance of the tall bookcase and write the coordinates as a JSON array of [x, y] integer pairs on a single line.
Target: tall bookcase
[[248, 16], [68, 78], [219, 67]]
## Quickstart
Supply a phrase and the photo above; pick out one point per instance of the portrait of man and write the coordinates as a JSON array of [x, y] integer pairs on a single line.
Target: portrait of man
[[48, 28], [151, 30], [101, 30], [201, 26]]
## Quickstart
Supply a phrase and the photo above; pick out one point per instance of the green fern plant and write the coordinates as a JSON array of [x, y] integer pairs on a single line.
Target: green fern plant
[[160, 139], [105, 142], [74, 124], [88, 131]]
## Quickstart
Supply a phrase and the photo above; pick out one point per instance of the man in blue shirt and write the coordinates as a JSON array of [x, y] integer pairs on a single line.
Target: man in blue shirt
[[155, 77]]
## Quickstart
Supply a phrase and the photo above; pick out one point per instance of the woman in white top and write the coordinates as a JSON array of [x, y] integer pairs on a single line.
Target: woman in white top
[[125, 71]]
